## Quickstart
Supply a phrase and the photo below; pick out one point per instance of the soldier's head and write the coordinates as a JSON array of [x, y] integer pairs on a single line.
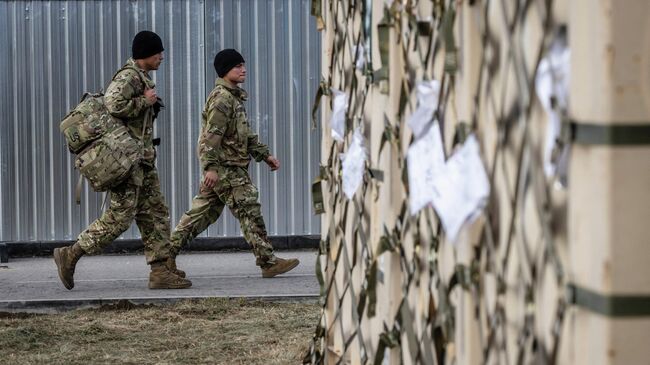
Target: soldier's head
[[147, 50], [230, 66]]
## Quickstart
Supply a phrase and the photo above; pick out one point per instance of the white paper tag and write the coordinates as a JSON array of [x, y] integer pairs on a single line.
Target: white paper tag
[[354, 163], [425, 160], [427, 95], [339, 109], [461, 190], [360, 51], [552, 80]]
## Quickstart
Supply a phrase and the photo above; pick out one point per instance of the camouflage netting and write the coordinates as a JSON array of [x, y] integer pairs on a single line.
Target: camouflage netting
[[395, 287]]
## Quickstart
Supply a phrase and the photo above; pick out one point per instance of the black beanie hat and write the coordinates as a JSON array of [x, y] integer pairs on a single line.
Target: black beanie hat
[[225, 60], [146, 44]]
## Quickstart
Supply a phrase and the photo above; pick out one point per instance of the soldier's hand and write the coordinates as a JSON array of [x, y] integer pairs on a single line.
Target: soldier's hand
[[273, 163], [151, 96], [210, 178]]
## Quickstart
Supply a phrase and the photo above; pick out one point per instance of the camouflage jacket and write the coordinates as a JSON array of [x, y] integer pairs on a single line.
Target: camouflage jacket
[[125, 99], [226, 138]]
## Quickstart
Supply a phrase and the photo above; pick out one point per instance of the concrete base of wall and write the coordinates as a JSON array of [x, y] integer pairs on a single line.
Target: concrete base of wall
[[4, 253], [45, 248]]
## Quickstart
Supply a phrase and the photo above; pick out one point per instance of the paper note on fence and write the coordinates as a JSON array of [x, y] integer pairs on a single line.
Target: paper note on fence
[[552, 81], [425, 160], [461, 190], [354, 165], [427, 94], [339, 109]]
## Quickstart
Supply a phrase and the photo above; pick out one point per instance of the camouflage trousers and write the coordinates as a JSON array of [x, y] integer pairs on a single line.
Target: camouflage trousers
[[138, 198], [235, 190]]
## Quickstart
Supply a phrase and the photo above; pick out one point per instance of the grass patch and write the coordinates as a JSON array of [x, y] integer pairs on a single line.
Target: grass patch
[[208, 331]]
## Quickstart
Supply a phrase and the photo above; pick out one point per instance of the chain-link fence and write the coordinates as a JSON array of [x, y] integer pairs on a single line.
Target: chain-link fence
[[443, 186]]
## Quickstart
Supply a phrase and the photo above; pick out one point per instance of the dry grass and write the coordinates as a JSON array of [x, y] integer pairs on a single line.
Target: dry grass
[[211, 331]]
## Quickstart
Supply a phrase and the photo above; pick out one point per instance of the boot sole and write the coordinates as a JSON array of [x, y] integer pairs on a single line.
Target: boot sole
[[59, 264], [270, 275], [168, 286]]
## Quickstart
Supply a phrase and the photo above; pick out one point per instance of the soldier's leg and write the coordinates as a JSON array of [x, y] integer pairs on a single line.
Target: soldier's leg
[[115, 220], [205, 210], [152, 218], [244, 205], [153, 221], [243, 202], [100, 233]]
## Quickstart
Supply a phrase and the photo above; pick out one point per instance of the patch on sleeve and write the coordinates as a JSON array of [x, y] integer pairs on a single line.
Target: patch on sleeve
[[216, 125], [222, 101]]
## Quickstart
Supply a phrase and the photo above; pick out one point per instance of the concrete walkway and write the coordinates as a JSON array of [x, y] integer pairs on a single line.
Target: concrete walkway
[[32, 284]]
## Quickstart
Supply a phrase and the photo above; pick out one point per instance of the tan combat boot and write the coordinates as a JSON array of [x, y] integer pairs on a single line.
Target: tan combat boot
[[171, 265], [280, 267], [66, 259], [161, 277]]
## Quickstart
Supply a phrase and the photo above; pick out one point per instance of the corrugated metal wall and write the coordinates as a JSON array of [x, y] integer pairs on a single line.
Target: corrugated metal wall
[[53, 51]]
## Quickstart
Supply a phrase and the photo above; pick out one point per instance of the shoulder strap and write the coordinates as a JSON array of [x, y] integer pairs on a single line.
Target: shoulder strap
[[130, 68], [77, 193]]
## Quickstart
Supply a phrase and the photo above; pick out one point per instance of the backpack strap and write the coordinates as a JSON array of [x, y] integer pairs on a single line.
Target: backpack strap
[[77, 190], [137, 71]]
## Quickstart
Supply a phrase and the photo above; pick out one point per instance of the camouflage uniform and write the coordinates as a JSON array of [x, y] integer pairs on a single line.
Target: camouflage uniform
[[139, 197], [225, 145]]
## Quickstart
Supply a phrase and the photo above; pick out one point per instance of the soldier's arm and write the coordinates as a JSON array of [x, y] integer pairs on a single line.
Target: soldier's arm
[[257, 149], [212, 134], [121, 98]]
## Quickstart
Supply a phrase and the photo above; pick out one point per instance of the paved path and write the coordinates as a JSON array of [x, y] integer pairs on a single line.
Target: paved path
[[32, 284]]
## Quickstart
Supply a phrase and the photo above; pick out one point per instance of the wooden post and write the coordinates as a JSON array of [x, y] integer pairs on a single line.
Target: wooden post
[[609, 182], [468, 335]]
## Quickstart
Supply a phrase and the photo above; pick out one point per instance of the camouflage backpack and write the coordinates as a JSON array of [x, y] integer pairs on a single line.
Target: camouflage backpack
[[105, 150]]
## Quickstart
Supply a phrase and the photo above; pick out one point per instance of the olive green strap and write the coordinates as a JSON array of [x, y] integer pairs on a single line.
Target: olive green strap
[[467, 276], [607, 134], [383, 35], [387, 339], [77, 190], [317, 12], [371, 290], [317, 197], [451, 53], [462, 131], [609, 305], [323, 89], [317, 191], [376, 174]]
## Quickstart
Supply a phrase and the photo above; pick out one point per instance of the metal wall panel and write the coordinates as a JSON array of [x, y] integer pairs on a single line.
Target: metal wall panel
[[54, 51]]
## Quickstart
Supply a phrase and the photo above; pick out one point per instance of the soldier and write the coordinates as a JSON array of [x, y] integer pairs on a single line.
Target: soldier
[[226, 144], [132, 98]]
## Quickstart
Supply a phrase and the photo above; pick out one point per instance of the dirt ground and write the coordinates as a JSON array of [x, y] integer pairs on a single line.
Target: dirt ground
[[210, 331]]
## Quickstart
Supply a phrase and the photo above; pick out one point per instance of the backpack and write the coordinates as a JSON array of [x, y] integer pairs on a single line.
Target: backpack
[[106, 151]]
